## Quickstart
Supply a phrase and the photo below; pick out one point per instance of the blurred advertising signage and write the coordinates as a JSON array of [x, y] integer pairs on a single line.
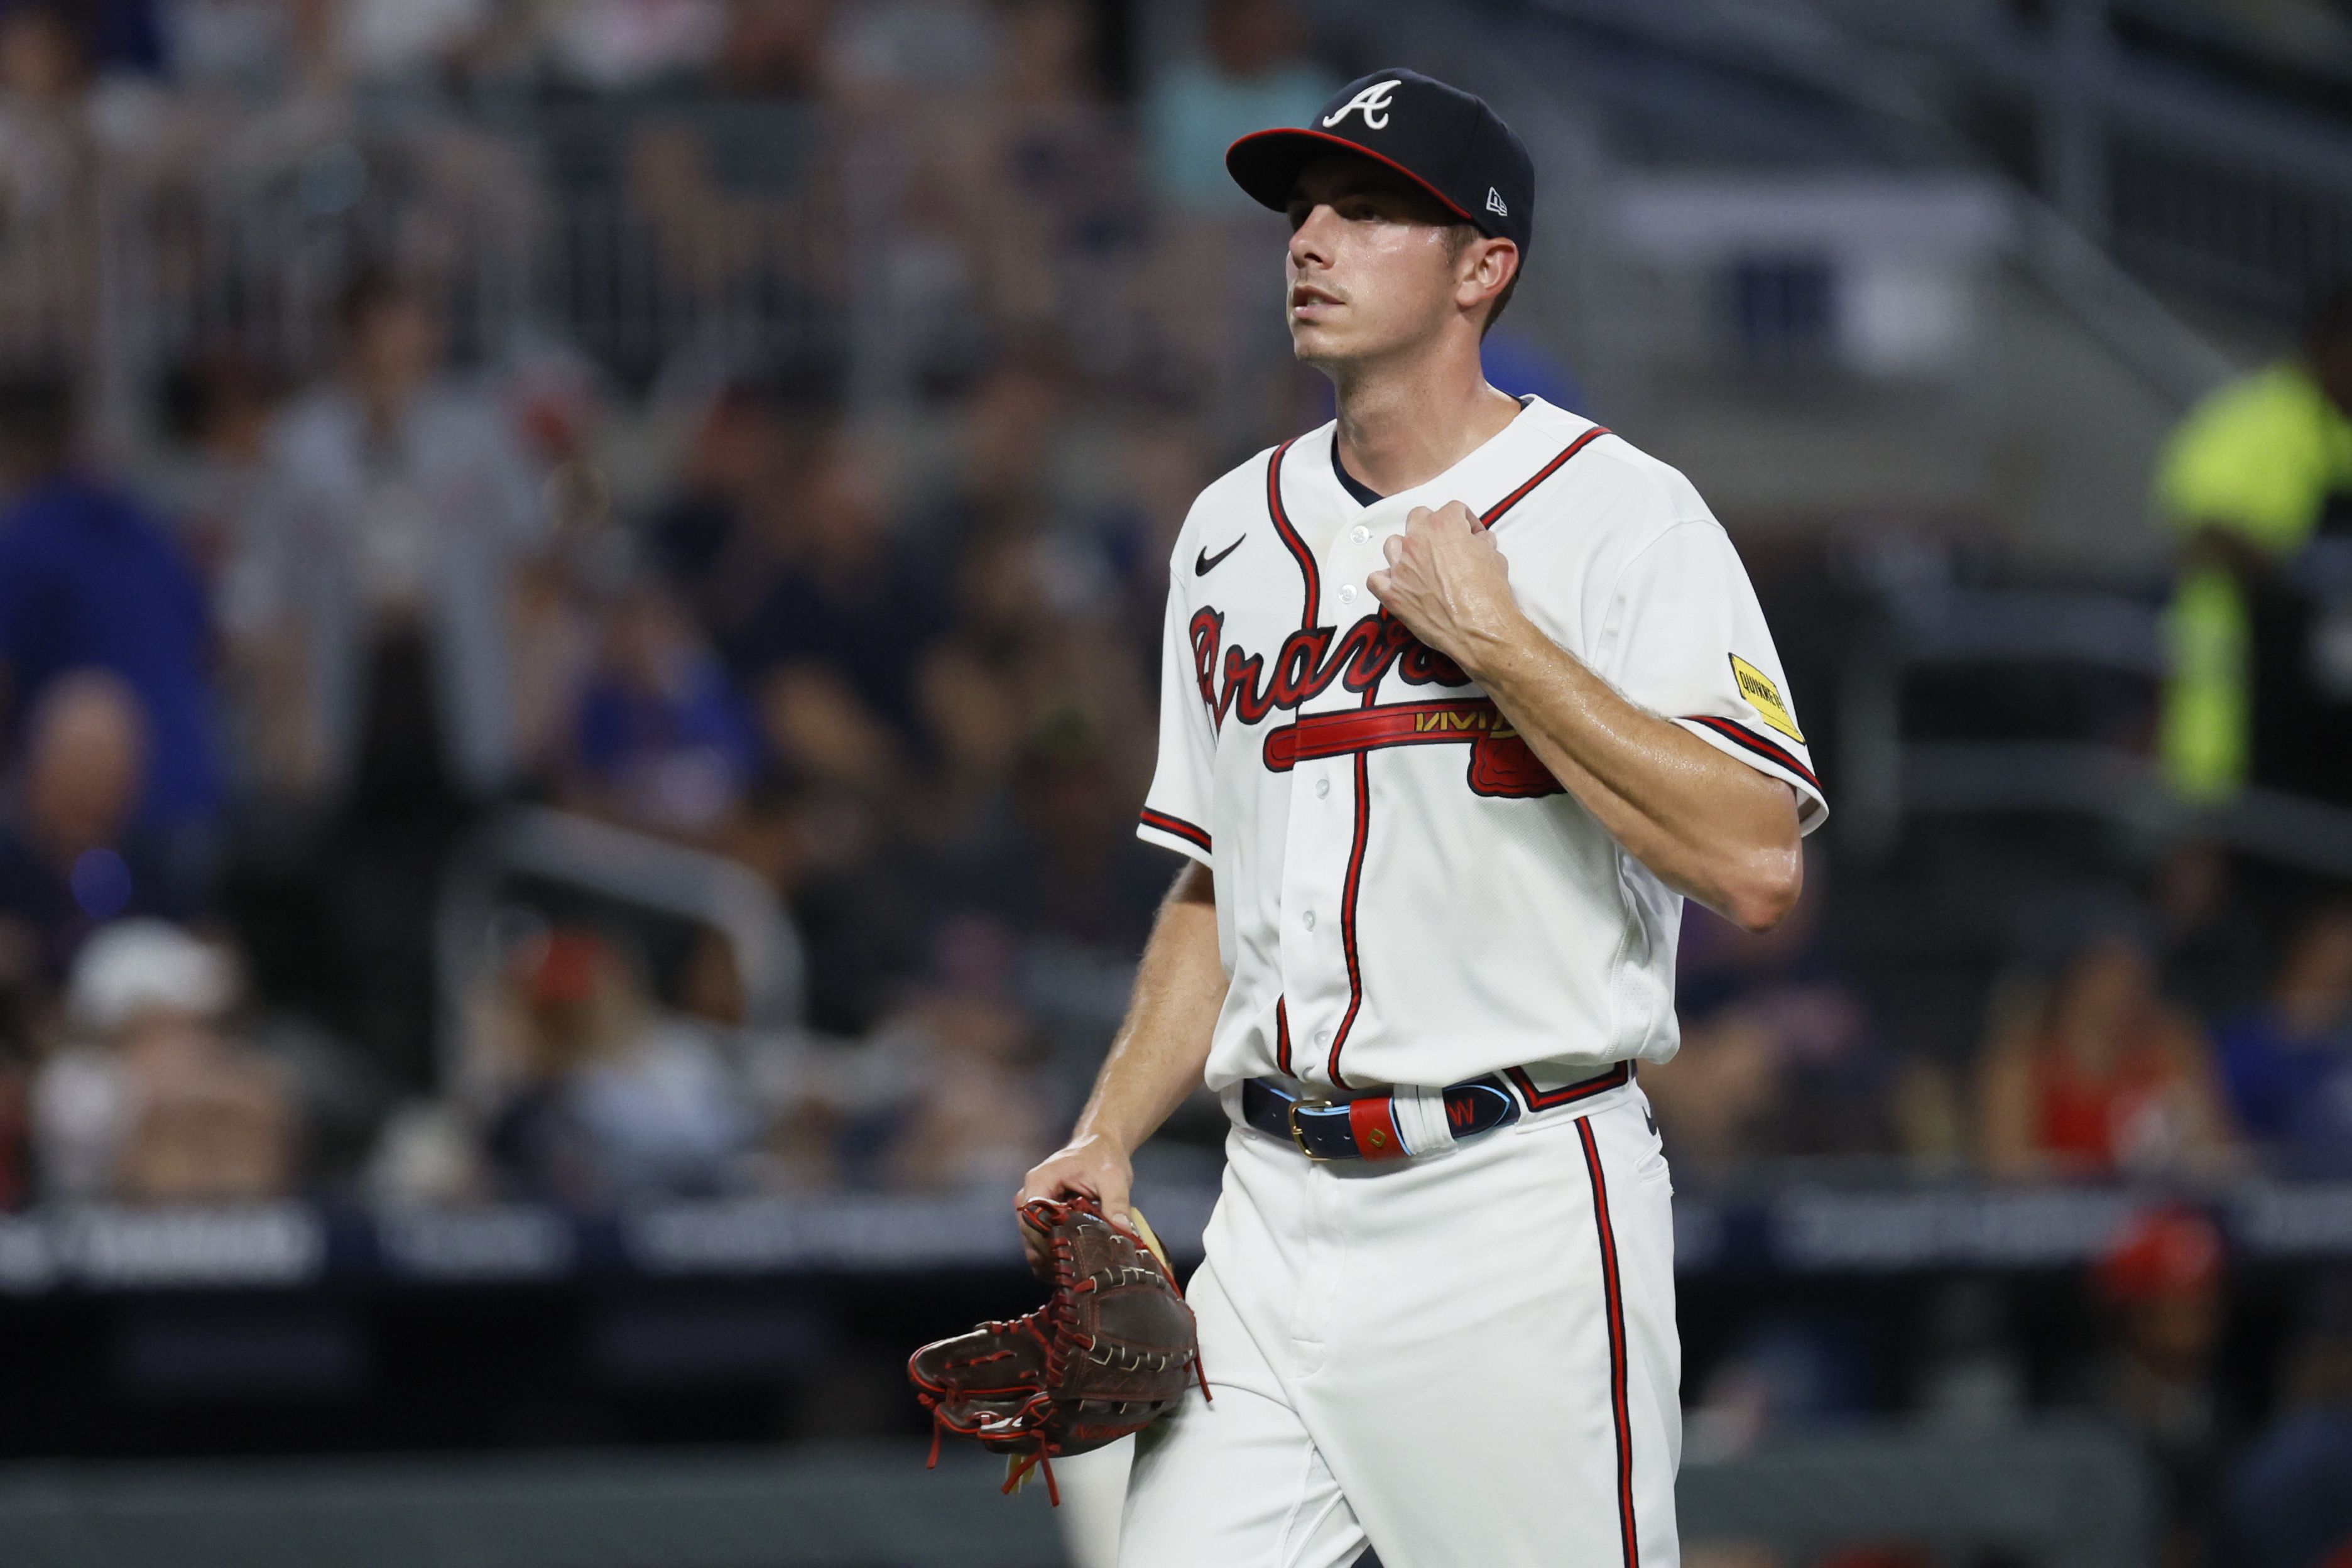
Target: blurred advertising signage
[[264, 1244], [857, 1234], [2313, 1221], [1820, 1230], [499, 1243]]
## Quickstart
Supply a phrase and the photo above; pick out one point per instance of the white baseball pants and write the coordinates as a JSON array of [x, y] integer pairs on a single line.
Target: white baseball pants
[[1465, 1361]]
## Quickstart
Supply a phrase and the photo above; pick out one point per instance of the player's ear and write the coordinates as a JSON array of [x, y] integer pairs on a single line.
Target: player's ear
[[1484, 271]]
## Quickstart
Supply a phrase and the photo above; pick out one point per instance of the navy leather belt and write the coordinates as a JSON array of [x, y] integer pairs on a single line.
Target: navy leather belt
[[1366, 1128]]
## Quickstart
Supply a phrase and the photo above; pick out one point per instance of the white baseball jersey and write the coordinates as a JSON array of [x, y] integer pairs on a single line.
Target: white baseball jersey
[[1404, 893]]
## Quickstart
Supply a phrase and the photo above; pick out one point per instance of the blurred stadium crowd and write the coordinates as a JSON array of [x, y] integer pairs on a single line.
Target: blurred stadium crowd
[[274, 646], [344, 559], [270, 659]]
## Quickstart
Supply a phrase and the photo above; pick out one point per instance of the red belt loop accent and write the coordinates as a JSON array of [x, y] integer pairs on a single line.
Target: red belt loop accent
[[1373, 1121]]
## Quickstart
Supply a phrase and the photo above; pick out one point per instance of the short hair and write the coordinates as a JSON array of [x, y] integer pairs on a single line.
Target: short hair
[[1457, 238]]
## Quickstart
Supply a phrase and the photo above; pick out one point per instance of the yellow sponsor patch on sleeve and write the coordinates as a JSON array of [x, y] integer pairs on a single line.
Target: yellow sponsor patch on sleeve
[[1764, 696]]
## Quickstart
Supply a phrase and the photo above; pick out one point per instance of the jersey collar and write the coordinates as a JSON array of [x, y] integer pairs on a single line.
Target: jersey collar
[[1484, 474]]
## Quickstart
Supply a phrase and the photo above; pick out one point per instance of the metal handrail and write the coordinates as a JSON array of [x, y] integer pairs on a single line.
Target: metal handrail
[[629, 868]]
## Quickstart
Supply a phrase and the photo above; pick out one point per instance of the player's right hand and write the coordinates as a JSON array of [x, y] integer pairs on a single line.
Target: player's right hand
[[1088, 1165]]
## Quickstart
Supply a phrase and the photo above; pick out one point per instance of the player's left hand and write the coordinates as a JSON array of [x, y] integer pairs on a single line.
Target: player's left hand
[[1447, 581]]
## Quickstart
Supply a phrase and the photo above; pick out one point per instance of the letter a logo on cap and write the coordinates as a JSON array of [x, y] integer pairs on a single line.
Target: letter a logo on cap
[[1372, 101]]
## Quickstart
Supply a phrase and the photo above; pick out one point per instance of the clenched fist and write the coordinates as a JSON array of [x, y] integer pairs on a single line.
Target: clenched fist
[[1447, 581]]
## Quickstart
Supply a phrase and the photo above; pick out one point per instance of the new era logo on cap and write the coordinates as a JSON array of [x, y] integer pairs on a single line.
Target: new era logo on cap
[[1442, 139]]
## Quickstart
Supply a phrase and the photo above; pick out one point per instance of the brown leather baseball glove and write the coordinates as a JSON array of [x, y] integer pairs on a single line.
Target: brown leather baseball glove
[[1112, 1349]]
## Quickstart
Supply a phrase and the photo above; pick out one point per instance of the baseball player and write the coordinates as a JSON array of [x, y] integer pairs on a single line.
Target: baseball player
[[1463, 697]]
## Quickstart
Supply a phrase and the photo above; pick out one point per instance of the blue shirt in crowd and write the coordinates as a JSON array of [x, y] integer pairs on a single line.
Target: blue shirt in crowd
[[2291, 1095], [88, 580]]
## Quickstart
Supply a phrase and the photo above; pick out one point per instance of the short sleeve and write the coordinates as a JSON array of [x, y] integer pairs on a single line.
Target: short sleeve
[[1685, 638], [1176, 812]]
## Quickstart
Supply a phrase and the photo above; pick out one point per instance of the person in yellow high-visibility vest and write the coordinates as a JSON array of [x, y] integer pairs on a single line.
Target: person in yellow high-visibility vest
[[2254, 474]]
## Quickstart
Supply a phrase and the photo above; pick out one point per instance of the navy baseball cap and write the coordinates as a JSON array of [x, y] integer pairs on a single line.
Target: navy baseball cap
[[1442, 139]]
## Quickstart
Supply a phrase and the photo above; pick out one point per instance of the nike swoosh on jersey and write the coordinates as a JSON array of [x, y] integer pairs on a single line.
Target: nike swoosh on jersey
[[1205, 562]]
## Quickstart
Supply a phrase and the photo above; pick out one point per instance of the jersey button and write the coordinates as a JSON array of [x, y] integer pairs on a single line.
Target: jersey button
[[1322, 788], [1360, 533], [1348, 593], [1307, 920]]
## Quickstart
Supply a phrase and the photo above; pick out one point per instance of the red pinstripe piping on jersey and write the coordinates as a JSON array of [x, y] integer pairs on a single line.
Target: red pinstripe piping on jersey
[[1282, 1037], [1739, 734], [1613, 1291], [1494, 513], [1290, 540], [1347, 892], [1177, 825], [1567, 1094], [1371, 695]]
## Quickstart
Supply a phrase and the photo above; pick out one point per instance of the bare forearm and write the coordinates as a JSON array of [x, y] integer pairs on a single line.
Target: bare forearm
[[1163, 1045], [1710, 827], [1154, 1064]]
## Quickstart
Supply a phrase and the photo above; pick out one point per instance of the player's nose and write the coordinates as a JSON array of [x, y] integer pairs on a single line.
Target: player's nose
[[1310, 242]]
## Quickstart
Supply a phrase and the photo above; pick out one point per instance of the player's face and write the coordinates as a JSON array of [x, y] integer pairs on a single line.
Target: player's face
[[1371, 267]]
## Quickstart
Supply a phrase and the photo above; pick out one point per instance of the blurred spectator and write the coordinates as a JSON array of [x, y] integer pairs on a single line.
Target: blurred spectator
[[618, 46], [2095, 1073], [663, 742], [1252, 73], [980, 1116], [2257, 484], [2286, 1503], [2214, 946], [1777, 1056], [396, 40], [88, 580], [230, 47], [379, 588], [48, 159], [217, 409], [891, 53], [71, 855], [1011, 424], [603, 1097], [44, 68], [831, 645], [156, 1103], [773, 49], [745, 452], [2161, 1277], [401, 505], [2288, 1063]]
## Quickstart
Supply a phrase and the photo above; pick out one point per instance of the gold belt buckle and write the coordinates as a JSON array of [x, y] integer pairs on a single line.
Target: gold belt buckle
[[1299, 1137]]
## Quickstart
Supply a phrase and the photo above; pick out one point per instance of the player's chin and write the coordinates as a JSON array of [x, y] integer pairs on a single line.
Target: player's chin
[[1312, 342]]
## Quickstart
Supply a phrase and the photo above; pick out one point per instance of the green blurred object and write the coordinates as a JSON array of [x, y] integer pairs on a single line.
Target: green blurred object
[[2252, 466]]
